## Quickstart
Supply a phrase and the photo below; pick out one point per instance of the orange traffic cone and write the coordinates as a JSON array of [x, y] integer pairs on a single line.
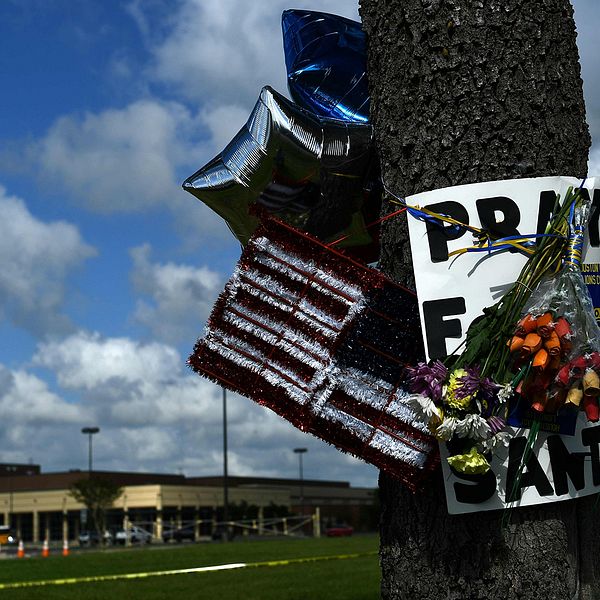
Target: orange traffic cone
[[45, 549], [65, 551], [21, 550]]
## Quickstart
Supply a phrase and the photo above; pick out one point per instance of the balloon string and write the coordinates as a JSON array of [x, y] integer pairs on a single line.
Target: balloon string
[[523, 243], [423, 214], [377, 222]]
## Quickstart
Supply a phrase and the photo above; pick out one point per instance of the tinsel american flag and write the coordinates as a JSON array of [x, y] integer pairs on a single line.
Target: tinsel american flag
[[323, 341]]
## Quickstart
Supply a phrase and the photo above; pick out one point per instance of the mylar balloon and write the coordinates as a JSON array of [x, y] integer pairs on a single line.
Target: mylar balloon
[[312, 173], [325, 57]]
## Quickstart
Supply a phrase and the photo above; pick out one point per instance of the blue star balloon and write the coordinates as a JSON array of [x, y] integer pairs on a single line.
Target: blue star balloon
[[313, 173], [326, 61]]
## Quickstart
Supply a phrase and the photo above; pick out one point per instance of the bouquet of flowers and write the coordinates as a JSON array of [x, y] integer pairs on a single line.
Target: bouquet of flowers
[[539, 343]]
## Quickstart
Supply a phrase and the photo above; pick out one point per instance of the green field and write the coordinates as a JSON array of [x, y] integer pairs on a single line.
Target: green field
[[339, 579]]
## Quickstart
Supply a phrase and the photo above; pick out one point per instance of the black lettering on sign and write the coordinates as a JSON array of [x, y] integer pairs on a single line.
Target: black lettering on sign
[[591, 437], [533, 474], [488, 209], [437, 329], [438, 235], [547, 201], [480, 488], [564, 464], [593, 231]]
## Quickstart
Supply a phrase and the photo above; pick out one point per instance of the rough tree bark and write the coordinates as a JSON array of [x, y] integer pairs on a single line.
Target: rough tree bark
[[465, 91]]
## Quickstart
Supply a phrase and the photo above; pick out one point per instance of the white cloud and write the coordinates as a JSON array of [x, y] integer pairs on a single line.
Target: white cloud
[[37, 258], [129, 383], [155, 415], [26, 400], [119, 160], [182, 296], [136, 158], [85, 361], [37, 424], [594, 163], [146, 445], [222, 123], [216, 50]]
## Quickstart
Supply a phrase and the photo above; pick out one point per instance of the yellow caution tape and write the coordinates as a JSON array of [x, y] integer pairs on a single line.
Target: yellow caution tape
[[212, 568]]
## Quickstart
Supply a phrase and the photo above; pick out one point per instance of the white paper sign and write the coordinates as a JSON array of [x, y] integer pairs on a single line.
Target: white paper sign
[[561, 467], [453, 291]]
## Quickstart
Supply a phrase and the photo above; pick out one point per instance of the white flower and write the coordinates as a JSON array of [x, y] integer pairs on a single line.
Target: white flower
[[502, 438], [446, 430], [505, 393], [423, 406], [474, 427]]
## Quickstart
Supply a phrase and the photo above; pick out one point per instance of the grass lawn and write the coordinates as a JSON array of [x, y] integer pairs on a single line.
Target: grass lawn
[[347, 579]]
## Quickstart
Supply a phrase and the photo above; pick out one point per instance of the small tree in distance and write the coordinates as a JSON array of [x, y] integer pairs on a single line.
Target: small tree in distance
[[98, 495]]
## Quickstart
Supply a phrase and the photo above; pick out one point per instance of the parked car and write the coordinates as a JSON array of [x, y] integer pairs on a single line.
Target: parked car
[[178, 534], [92, 538], [339, 531], [134, 534]]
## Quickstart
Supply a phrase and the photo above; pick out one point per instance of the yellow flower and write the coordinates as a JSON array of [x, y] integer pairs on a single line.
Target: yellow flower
[[435, 421], [453, 384], [471, 463]]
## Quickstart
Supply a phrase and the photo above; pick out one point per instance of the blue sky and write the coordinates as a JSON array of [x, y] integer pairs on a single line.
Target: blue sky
[[109, 269]]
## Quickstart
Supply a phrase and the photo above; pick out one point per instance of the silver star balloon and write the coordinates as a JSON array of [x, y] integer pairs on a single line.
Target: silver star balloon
[[313, 173]]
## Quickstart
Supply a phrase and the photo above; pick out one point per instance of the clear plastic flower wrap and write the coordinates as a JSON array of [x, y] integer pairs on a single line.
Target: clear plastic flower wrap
[[559, 337]]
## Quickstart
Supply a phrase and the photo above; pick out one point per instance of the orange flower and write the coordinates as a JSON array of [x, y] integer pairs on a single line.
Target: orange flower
[[541, 359], [532, 343], [552, 344], [545, 324], [516, 343], [526, 325]]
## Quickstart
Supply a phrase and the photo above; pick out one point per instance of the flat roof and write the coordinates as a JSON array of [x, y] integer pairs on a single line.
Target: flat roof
[[65, 479], [236, 481]]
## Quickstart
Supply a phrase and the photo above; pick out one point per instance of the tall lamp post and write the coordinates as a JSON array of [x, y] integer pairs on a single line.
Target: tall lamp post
[[90, 431], [11, 469], [225, 482], [300, 452]]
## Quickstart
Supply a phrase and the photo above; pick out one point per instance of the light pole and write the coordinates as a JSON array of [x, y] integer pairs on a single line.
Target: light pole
[[90, 431], [225, 482], [300, 452], [11, 469]]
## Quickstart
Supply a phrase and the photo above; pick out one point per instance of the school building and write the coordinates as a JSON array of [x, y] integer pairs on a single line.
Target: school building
[[39, 506]]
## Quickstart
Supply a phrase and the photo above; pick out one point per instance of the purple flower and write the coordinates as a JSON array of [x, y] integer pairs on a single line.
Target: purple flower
[[472, 383], [469, 383], [428, 379], [496, 424], [489, 389]]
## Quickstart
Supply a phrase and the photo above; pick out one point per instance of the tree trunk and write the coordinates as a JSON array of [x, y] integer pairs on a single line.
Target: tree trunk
[[465, 91]]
